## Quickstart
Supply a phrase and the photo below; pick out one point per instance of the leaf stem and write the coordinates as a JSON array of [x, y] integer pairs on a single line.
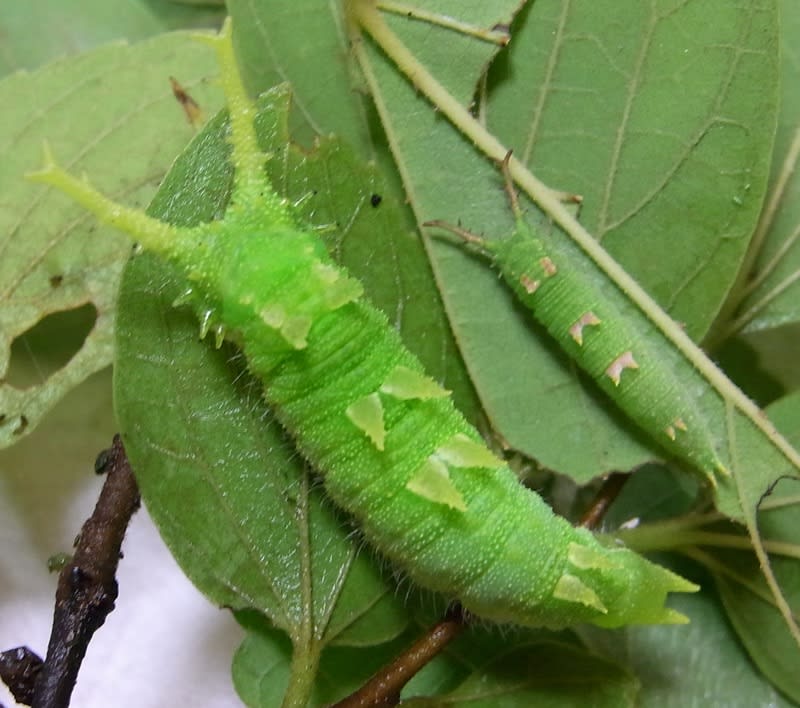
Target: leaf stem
[[412, 12], [720, 570]]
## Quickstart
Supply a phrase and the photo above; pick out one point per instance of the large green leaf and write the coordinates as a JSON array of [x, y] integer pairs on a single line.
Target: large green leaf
[[702, 664], [590, 75], [109, 112]]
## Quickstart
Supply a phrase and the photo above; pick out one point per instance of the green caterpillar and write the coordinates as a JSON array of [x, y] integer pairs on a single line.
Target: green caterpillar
[[393, 450], [599, 339]]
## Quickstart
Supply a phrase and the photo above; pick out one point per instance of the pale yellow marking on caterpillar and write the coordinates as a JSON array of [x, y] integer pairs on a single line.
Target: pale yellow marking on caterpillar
[[549, 268], [338, 290], [296, 329], [585, 558], [463, 451], [274, 316], [432, 482], [531, 286], [367, 415], [405, 384], [572, 589], [587, 319], [622, 362], [293, 329], [677, 424]]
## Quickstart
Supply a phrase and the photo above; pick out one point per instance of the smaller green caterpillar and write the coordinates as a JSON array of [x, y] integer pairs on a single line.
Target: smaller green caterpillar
[[392, 448], [599, 339]]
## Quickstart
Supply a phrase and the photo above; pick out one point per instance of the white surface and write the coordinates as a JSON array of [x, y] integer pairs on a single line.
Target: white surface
[[164, 644]]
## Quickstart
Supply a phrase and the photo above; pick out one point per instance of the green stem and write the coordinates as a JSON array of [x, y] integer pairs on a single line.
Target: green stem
[[305, 647], [302, 670]]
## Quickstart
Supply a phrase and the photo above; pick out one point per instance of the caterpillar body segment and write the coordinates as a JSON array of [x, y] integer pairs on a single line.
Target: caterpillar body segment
[[392, 448]]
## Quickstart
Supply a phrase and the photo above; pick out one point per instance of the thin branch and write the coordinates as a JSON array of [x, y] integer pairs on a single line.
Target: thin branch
[[383, 689], [86, 590], [609, 491]]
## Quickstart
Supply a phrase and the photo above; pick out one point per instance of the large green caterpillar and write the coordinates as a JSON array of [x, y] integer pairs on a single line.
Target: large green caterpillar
[[393, 450], [599, 339]]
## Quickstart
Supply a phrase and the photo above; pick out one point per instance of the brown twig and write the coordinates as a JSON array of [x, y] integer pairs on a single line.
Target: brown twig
[[87, 589], [19, 668], [609, 491], [383, 689]]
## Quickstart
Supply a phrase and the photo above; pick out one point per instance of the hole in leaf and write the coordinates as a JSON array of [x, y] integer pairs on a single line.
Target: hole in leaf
[[49, 345]]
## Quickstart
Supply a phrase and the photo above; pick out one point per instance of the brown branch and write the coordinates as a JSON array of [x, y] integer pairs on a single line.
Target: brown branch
[[19, 668], [383, 689], [87, 588], [610, 490]]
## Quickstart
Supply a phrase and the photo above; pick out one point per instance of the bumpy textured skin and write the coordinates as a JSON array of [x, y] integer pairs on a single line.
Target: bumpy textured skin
[[393, 450], [605, 345]]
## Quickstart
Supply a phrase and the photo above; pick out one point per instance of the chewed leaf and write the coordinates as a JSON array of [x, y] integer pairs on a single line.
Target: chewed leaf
[[53, 258]]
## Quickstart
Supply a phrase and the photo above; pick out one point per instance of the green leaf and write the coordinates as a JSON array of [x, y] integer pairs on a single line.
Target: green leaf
[[699, 664], [109, 112], [262, 667], [548, 674], [769, 298], [37, 31], [280, 41], [546, 71], [741, 586], [480, 669]]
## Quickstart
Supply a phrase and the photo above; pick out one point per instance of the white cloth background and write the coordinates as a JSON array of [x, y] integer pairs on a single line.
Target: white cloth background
[[164, 644]]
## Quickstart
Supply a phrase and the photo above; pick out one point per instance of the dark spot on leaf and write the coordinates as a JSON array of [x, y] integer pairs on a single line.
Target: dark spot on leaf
[[56, 280], [375, 199], [49, 345]]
